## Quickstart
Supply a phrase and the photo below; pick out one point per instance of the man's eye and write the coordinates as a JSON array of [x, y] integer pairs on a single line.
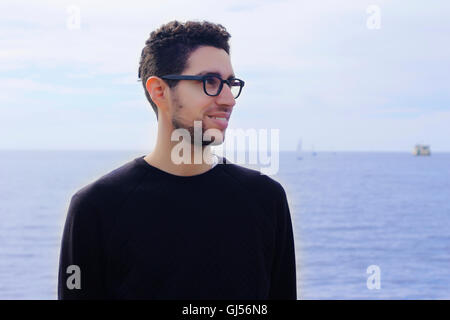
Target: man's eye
[[212, 81]]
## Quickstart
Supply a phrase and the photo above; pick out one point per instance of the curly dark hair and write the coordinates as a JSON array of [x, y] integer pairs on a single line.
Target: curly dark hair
[[167, 49]]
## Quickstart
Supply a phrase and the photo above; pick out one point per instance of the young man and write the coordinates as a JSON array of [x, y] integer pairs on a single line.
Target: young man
[[156, 228]]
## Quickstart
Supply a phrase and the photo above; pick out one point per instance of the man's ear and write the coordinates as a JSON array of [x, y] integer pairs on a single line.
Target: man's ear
[[157, 89]]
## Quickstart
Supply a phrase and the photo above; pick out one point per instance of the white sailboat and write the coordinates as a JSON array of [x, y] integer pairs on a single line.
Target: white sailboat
[[299, 149], [312, 151]]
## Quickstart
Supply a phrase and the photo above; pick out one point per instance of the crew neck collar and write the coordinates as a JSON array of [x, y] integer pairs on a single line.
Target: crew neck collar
[[216, 168]]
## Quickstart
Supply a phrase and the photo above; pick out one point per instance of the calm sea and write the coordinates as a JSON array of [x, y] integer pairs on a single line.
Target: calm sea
[[350, 211]]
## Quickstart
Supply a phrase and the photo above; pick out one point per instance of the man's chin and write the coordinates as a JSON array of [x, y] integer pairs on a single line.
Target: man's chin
[[210, 136], [213, 137]]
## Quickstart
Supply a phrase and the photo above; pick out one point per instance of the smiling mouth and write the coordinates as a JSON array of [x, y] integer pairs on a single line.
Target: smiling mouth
[[220, 122], [218, 118]]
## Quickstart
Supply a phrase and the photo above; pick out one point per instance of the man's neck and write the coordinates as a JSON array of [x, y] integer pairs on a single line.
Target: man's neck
[[161, 158]]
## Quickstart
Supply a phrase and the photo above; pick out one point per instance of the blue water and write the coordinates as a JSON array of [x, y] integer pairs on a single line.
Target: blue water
[[349, 210]]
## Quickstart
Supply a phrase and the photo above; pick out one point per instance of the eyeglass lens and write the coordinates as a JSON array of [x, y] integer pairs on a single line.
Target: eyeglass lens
[[212, 86]]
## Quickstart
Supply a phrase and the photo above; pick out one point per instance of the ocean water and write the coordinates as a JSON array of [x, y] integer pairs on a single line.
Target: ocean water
[[349, 211]]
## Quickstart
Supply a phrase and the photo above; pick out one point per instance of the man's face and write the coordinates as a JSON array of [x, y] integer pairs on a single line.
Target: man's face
[[190, 103]]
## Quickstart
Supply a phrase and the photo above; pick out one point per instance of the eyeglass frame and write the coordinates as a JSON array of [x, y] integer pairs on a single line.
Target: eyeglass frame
[[203, 79]]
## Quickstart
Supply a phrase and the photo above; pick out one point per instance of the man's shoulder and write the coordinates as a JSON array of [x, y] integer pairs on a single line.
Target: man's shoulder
[[111, 188], [254, 180]]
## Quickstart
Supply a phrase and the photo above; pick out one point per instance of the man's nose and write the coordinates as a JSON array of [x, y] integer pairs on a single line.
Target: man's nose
[[226, 97]]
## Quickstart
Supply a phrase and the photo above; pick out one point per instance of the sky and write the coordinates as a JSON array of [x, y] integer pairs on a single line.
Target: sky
[[339, 76]]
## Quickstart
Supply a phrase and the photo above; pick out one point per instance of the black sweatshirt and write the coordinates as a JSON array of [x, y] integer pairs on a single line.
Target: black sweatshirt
[[141, 233]]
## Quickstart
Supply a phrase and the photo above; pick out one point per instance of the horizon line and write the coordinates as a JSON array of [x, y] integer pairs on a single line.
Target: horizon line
[[239, 150]]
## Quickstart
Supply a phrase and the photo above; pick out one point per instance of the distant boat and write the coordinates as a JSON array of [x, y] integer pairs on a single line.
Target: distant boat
[[421, 150], [313, 152], [299, 150]]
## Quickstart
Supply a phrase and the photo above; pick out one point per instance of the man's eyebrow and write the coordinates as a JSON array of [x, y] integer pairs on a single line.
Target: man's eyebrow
[[214, 73]]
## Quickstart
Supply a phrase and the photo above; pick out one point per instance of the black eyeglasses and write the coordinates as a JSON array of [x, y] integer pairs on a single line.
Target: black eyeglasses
[[212, 85]]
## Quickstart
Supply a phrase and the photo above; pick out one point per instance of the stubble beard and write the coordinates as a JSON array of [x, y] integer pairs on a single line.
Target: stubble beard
[[177, 123]]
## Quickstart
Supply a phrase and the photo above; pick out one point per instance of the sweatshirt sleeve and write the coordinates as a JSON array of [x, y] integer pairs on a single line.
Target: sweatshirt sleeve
[[81, 262], [283, 277]]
